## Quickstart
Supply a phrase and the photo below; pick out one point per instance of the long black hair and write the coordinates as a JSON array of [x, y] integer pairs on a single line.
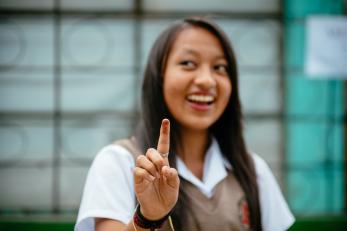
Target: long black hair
[[227, 130]]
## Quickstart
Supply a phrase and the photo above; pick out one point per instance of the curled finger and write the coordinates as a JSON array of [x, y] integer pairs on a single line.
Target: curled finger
[[141, 174], [171, 176], [143, 162], [154, 156]]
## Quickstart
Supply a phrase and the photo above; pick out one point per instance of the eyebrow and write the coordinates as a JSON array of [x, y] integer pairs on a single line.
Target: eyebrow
[[189, 51], [193, 52]]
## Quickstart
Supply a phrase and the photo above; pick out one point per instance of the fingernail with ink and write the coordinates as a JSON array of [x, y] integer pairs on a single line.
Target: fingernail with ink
[[165, 122]]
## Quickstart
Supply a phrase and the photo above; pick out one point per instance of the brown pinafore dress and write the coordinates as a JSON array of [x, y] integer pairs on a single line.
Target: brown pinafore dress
[[226, 210]]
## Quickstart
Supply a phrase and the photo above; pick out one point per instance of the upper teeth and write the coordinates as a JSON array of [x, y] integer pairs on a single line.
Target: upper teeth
[[201, 98]]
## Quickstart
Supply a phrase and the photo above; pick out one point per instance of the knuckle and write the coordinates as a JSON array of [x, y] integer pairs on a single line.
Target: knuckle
[[149, 152], [139, 160], [141, 173], [136, 171], [152, 168], [159, 162]]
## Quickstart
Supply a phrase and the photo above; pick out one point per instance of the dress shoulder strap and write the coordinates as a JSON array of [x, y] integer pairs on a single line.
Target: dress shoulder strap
[[131, 145]]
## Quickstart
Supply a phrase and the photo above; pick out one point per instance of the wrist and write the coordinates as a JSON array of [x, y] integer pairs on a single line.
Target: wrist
[[148, 223], [149, 214]]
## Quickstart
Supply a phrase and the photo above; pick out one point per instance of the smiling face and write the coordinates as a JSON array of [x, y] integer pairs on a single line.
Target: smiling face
[[197, 87]]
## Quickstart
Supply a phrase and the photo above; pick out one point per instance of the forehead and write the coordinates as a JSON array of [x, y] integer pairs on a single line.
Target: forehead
[[199, 40]]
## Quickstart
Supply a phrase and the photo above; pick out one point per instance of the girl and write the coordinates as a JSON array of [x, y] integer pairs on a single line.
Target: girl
[[198, 173]]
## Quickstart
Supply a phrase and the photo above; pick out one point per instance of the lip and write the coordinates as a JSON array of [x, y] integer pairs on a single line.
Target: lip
[[198, 106], [207, 93], [202, 93]]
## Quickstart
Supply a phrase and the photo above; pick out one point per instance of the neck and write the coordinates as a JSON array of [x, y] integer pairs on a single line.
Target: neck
[[193, 146]]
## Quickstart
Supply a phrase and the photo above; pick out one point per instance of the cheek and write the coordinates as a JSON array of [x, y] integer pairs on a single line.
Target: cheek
[[230, 90], [171, 93], [226, 89], [174, 86]]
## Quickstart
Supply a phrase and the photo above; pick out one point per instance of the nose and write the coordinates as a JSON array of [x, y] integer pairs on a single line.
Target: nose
[[205, 78]]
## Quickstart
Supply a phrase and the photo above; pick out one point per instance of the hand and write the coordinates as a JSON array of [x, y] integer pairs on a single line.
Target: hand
[[156, 184]]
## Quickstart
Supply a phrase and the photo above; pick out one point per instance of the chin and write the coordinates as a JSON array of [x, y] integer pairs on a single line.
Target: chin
[[199, 124]]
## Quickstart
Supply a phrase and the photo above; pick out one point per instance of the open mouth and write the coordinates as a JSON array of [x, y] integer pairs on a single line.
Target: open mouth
[[201, 99]]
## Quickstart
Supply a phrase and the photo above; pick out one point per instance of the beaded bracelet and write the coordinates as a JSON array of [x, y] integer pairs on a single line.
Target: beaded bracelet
[[143, 222]]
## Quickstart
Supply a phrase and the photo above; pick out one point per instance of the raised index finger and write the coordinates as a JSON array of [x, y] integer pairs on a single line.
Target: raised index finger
[[164, 138]]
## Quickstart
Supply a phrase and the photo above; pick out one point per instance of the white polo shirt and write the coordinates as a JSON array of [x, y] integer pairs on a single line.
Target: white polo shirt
[[109, 190]]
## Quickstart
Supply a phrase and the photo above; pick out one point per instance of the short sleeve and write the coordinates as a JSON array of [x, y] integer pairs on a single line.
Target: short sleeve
[[275, 213], [109, 190]]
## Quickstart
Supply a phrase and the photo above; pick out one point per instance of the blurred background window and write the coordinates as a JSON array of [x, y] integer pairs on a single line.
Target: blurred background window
[[70, 78]]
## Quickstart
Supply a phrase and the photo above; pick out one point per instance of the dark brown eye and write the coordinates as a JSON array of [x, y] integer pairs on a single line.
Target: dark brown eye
[[221, 68], [188, 64]]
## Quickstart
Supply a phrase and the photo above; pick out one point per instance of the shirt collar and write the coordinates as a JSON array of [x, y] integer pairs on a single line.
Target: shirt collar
[[214, 171]]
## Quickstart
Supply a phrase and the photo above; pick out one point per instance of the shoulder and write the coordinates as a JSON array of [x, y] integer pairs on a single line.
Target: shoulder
[[276, 214], [261, 167], [113, 154], [112, 160], [265, 178], [108, 190]]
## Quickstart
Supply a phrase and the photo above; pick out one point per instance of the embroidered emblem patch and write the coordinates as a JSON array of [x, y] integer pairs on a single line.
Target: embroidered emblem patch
[[244, 213]]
